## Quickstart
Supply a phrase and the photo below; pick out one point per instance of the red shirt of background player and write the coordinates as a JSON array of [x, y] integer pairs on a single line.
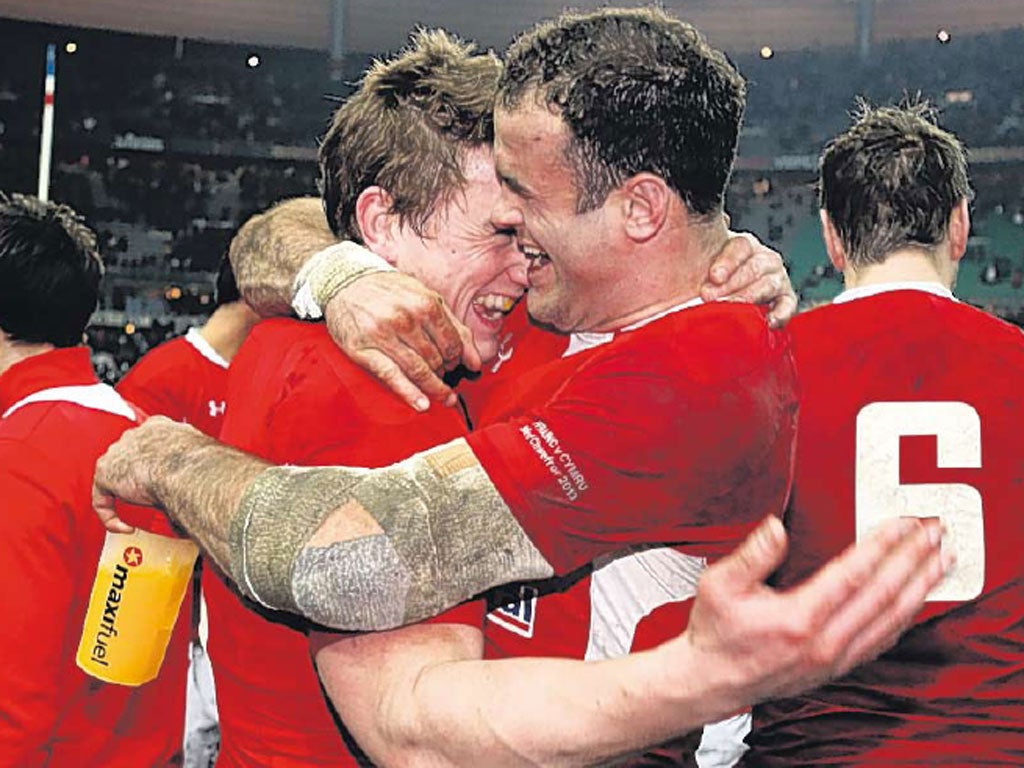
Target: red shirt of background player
[[952, 690], [184, 379], [50, 541]]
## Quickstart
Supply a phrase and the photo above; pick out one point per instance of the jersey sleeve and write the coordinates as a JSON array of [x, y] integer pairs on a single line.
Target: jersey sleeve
[[37, 551], [631, 451]]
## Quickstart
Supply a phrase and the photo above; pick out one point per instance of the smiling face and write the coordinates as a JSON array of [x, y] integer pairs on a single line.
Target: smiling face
[[475, 267], [575, 275]]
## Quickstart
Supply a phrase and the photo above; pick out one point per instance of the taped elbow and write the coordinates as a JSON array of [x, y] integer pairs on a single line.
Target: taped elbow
[[358, 585]]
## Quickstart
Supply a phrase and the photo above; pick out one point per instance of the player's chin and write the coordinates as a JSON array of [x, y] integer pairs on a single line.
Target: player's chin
[[486, 345], [485, 336], [543, 307]]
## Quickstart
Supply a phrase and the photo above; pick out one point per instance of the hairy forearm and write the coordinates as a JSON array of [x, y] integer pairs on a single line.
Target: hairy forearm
[[542, 711], [200, 483], [374, 549]]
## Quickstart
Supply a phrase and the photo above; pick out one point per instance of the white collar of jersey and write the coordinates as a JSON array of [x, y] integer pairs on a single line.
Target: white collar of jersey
[[863, 291], [98, 397], [202, 346], [578, 342]]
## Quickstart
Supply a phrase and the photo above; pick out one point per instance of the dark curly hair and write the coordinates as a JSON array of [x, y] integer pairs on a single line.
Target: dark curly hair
[[640, 91], [50, 272]]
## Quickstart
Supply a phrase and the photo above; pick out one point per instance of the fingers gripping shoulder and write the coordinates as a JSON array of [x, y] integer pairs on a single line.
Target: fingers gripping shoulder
[[375, 549]]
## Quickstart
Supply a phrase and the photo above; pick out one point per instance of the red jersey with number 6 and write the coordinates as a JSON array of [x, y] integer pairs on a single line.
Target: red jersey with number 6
[[912, 405]]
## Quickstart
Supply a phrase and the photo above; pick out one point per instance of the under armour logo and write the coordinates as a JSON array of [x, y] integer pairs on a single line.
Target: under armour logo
[[505, 350], [217, 408], [132, 556]]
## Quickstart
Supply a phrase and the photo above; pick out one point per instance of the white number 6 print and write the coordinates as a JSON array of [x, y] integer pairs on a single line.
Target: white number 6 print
[[880, 497]]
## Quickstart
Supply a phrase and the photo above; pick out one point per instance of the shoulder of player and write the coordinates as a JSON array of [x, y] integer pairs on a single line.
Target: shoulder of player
[[55, 424], [814, 330], [157, 363], [18, 452], [318, 378], [275, 346], [707, 343], [35, 441], [174, 368], [1000, 338]]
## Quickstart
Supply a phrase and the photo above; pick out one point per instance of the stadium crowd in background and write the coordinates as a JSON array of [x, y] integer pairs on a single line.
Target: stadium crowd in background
[[631, 417]]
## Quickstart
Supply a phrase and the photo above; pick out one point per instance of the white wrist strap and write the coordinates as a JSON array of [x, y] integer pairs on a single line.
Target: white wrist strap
[[329, 271]]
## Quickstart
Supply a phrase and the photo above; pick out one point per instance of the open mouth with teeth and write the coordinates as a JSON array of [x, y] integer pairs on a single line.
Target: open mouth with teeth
[[537, 257], [493, 307]]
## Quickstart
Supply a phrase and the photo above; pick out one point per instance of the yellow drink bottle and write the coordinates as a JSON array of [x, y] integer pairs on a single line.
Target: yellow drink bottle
[[141, 579]]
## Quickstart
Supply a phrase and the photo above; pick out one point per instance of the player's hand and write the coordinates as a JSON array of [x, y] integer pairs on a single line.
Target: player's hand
[[128, 469], [758, 643], [747, 270], [403, 333]]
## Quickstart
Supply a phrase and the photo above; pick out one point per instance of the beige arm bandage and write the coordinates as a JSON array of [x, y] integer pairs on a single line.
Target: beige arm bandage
[[329, 271], [359, 549]]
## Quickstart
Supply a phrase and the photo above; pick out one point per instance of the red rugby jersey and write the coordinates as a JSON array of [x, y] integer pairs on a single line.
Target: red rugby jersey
[[184, 379], [52, 713], [677, 431], [912, 405], [295, 398], [523, 347]]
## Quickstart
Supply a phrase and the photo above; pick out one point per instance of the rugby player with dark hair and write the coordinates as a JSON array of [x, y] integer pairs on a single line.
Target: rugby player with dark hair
[[55, 421], [911, 406]]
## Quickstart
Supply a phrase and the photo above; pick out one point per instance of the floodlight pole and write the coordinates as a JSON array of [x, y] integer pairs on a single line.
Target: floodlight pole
[[865, 28], [46, 135], [338, 11]]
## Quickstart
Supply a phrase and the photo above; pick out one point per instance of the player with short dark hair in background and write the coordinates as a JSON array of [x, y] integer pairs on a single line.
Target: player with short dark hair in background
[[911, 406], [55, 421]]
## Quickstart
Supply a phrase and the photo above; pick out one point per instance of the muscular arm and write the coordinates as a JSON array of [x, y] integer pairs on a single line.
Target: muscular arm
[[423, 696], [346, 547], [386, 322]]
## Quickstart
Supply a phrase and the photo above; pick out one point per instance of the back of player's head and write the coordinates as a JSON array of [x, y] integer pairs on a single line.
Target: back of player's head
[[640, 91], [268, 239], [50, 272], [405, 127], [892, 181]]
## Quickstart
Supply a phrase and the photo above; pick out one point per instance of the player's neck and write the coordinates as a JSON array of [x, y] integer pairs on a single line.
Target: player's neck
[[12, 352], [676, 268], [903, 266], [228, 327]]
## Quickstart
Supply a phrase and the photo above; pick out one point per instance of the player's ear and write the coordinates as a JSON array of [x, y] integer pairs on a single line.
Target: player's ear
[[644, 201], [834, 246], [377, 222], [959, 230]]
